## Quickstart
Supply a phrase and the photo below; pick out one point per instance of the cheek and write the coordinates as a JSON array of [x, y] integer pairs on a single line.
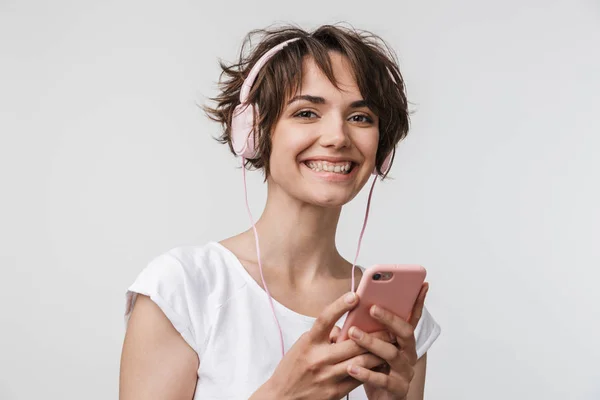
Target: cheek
[[367, 144], [287, 144]]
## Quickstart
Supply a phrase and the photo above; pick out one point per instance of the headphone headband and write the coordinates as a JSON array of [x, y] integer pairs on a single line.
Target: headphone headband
[[243, 121], [249, 81]]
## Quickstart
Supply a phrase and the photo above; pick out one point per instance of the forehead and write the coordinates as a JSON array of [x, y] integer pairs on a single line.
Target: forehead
[[315, 81]]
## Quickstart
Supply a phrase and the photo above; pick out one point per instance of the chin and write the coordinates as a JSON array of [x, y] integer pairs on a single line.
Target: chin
[[327, 197], [322, 189], [327, 203]]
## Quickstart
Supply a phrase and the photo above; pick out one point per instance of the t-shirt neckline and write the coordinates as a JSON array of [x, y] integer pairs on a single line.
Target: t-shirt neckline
[[256, 287]]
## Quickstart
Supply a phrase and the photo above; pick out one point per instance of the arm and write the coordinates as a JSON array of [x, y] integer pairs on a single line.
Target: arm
[[417, 385], [156, 362]]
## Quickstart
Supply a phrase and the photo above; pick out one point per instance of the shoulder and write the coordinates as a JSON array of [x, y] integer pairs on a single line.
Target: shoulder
[[187, 267], [188, 283]]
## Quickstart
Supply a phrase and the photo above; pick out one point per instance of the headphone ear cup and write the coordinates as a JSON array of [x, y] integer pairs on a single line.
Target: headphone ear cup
[[242, 128], [385, 167]]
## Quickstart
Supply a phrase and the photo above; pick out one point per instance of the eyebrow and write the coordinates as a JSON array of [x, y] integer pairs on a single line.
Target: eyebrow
[[321, 100]]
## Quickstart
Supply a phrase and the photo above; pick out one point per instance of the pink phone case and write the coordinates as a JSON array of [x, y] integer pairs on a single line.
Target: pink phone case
[[398, 295]]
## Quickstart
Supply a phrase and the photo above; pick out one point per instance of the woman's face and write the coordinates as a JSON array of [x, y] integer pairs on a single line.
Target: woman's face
[[325, 141]]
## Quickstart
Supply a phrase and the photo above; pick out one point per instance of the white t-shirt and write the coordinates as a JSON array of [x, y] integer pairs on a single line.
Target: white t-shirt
[[225, 316]]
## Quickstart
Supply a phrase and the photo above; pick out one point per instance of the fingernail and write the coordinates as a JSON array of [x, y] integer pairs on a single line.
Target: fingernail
[[356, 333], [350, 298], [376, 312], [354, 370]]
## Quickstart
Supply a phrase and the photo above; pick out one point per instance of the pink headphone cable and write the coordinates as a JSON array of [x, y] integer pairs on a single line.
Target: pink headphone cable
[[362, 232], [258, 256]]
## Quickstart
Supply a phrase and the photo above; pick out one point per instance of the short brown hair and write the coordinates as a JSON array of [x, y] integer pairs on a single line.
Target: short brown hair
[[375, 69]]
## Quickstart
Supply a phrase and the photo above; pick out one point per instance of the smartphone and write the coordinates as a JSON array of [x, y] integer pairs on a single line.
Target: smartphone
[[394, 287]]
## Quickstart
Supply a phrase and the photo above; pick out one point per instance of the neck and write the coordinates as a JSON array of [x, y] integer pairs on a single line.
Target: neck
[[297, 239]]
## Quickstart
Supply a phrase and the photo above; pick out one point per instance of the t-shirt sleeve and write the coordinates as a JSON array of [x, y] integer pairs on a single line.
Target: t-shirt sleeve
[[173, 287], [426, 332]]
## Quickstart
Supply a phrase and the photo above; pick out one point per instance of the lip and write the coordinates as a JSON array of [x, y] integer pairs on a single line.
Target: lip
[[330, 176], [329, 159]]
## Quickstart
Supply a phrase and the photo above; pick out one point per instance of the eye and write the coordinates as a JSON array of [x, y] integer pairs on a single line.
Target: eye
[[361, 118], [305, 114]]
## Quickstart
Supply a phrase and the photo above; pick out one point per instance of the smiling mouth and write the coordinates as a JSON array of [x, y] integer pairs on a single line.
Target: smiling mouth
[[342, 168]]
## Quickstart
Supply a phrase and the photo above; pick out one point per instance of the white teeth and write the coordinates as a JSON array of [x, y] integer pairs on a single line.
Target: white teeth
[[327, 167]]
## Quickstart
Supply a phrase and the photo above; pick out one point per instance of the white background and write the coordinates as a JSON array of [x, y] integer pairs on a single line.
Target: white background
[[106, 161]]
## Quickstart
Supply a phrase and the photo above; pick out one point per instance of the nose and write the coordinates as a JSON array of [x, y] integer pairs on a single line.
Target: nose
[[335, 134]]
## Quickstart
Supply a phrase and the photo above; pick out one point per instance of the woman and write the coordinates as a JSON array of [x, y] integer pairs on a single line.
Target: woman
[[325, 109]]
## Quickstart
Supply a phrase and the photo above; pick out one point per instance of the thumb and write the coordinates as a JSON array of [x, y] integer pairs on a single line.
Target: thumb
[[330, 315]]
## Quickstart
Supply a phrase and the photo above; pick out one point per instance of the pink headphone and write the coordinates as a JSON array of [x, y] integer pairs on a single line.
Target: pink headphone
[[242, 138]]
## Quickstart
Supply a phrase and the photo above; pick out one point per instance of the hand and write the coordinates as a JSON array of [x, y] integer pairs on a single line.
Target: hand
[[315, 368], [393, 381]]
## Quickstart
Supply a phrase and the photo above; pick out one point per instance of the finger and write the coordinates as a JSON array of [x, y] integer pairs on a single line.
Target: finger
[[383, 368], [405, 332], [334, 334], [347, 385], [417, 311], [374, 345], [338, 352], [331, 314], [387, 382], [383, 335], [348, 349], [366, 360]]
